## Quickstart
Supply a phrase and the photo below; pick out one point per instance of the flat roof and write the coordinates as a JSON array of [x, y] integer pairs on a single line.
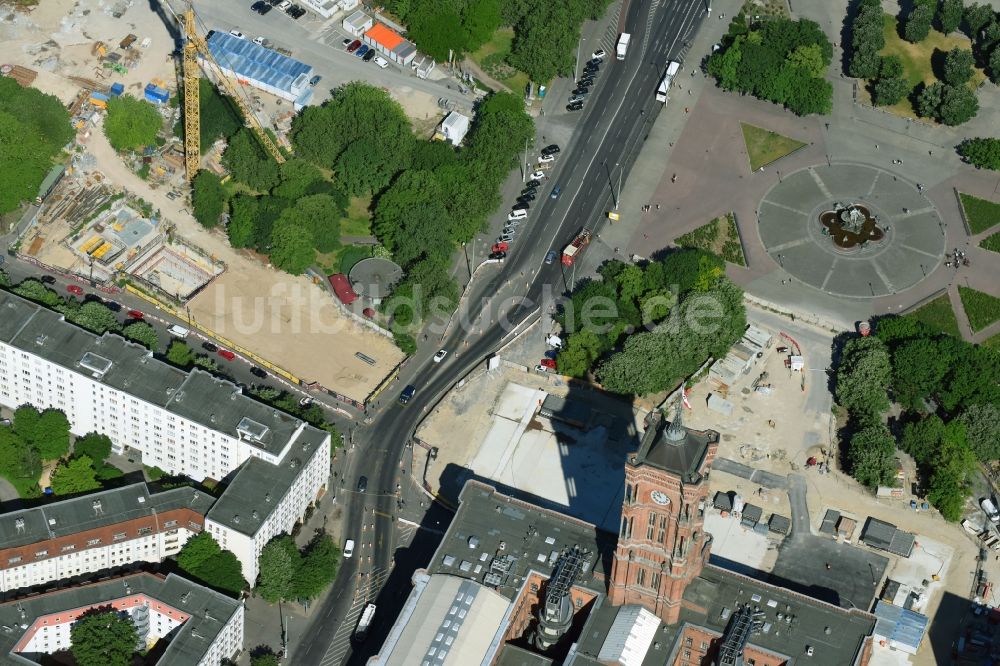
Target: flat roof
[[199, 396], [252, 61], [886, 536], [791, 622], [93, 511], [258, 487], [497, 540], [208, 612]]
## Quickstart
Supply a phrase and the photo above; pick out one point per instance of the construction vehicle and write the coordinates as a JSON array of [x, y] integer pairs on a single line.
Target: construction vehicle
[[576, 248], [195, 44]]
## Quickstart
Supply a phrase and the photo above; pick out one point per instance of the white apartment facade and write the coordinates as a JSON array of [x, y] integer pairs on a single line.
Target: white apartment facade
[[202, 626], [189, 423]]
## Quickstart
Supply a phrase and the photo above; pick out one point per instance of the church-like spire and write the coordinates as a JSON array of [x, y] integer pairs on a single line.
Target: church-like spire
[[676, 433]]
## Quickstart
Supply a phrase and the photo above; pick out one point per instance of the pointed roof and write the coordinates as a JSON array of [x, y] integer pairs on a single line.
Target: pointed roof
[[675, 448]]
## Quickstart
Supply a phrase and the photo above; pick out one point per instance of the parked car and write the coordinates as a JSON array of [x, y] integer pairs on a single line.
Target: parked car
[[581, 90], [284, 5], [575, 106], [346, 42], [537, 175], [517, 215], [354, 46], [258, 372], [259, 41], [236, 33], [111, 305], [598, 55], [297, 12], [990, 509], [362, 484], [576, 99], [556, 191], [74, 289], [178, 331], [348, 549], [226, 354], [585, 81], [438, 357], [541, 368], [362, 51], [255, 7], [542, 159], [509, 231], [550, 257], [525, 198], [314, 80], [551, 149], [520, 205], [274, 3], [548, 363], [498, 256], [370, 55], [505, 238], [499, 247], [381, 62], [47, 279], [209, 347], [529, 191], [135, 314], [407, 394], [532, 184]]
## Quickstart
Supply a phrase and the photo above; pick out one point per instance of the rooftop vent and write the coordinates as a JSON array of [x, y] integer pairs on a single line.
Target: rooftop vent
[[142, 500], [40, 340], [232, 396], [236, 519], [251, 429], [267, 497], [184, 598], [19, 524], [98, 509], [473, 542], [254, 514], [211, 417], [52, 521]]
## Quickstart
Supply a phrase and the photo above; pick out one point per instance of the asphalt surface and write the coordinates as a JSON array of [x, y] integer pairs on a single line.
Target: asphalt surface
[[609, 134]]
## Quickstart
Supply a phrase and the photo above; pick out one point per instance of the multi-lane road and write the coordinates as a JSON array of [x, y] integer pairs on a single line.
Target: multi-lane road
[[607, 140]]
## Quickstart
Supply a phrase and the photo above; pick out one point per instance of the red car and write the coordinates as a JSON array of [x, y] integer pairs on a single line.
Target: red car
[[135, 314], [354, 46], [500, 247], [548, 363], [226, 354], [75, 290]]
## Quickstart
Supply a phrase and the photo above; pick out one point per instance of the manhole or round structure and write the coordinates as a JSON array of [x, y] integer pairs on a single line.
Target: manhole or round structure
[[373, 278], [851, 230]]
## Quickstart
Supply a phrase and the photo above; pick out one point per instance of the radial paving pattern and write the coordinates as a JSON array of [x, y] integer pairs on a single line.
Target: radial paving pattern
[[790, 228]]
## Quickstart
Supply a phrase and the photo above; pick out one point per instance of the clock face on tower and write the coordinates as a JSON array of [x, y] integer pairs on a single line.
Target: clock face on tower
[[659, 498]]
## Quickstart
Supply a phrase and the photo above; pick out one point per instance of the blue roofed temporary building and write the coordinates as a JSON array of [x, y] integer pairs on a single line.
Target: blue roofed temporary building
[[900, 628], [262, 68]]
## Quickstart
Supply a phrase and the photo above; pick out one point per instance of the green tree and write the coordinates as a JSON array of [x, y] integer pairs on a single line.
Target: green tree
[[958, 66], [918, 23], [95, 316], [197, 552], [317, 569], [34, 290], [544, 41], [93, 445], [220, 118], [208, 198], [480, 19], [887, 92], [993, 66], [954, 461], [922, 438], [4, 278], [976, 17], [872, 452], [47, 431], [277, 564], [982, 153], [144, 334], [958, 105], [982, 430], [411, 219], [249, 163], [202, 558], [437, 29], [862, 376], [264, 659], [867, 40], [291, 249], [103, 637], [76, 475], [929, 100], [131, 123], [296, 177], [318, 216], [180, 354], [406, 342], [949, 15], [918, 370]]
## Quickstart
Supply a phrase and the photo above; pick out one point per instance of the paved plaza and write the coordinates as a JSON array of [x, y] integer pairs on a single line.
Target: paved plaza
[[911, 247]]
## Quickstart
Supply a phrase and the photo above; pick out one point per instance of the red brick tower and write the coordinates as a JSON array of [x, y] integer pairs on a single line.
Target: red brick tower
[[662, 545]]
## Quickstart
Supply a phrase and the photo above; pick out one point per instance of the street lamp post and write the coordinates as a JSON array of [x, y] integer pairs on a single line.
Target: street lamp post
[[619, 195], [524, 174]]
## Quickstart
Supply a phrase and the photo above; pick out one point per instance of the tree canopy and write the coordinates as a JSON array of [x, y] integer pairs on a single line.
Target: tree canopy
[[249, 163], [103, 637], [34, 127], [94, 445], [46, 431], [918, 22], [131, 123], [982, 153], [202, 558], [287, 573], [208, 198], [144, 334], [872, 454], [76, 475], [778, 60]]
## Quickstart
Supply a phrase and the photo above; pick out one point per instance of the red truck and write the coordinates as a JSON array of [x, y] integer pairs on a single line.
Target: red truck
[[576, 248]]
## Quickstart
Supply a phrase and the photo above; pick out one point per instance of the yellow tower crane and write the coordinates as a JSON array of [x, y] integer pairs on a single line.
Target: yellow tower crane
[[195, 44]]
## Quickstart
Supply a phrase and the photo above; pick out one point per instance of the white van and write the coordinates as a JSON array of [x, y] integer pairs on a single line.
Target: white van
[[178, 331], [990, 509], [519, 214], [380, 61], [349, 549]]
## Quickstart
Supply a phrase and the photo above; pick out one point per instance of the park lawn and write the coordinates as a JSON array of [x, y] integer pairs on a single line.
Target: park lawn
[[719, 237], [991, 243], [938, 315], [916, 59], [992, 342], [981, 214], [500, 44], [358, 221], [764, 146], [982, 309]]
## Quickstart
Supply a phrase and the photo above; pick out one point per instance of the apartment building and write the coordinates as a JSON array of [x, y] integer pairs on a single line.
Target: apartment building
[[189, 423], [74, 538], [202, 627]]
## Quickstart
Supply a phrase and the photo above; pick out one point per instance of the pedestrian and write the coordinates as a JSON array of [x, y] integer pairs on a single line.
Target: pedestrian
[[657, 206], [876, 146], [689, 92]]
